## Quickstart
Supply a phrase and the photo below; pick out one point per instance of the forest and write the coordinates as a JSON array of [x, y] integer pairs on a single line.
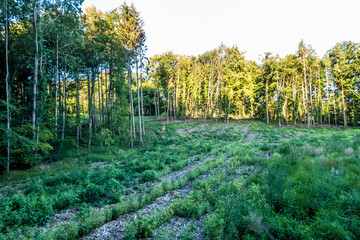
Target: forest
[[94, 131]]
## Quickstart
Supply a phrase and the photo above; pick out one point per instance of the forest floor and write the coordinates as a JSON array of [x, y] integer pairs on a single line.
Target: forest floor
[[195, 180]]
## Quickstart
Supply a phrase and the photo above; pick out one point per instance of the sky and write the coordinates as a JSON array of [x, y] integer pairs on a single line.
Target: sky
[[191, 27]]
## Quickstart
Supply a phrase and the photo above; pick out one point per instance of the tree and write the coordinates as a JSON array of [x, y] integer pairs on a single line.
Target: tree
[[343, 67]]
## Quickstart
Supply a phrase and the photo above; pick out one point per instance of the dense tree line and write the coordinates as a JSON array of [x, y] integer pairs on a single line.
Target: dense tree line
[[73, 79], [299, 88], [69, 77]]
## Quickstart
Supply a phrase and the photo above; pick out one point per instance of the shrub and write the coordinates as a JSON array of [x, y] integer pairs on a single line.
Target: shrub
[[66, 231], [276, 184], [144, 227], [188, 207], [38, 210], [188, 233], [214, 226], [329, 225], [282, 227], [92, 193], [148, 175], [90, 219], [66, 199], [105, 137]]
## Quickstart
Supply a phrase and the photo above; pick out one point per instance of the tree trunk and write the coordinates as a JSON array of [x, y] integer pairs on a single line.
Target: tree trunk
[[168, 106], [7, 87], [328, 102], [106, 100], [267, 100], [63, 108], [320, 101], [294, 99], [278, 102], [217, 100], [306, 96], [131, 101], [311, 99], [343, 102], [77, 113], [138, 97], [208, 95], [335, 108], [99, 94], [36, 66], [56, 85], [90, 97], [155, 102], [158, 105], [142, 98]]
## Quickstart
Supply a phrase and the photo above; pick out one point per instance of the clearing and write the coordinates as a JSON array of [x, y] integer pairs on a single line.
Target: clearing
[[194, 181]]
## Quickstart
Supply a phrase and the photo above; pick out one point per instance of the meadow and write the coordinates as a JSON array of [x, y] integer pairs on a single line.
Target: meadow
[[194, 180]]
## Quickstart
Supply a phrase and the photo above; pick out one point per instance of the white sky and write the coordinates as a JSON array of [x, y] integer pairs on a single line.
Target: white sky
[[191, 27]]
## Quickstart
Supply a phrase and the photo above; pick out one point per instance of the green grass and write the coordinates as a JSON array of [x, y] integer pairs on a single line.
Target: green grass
[[308, 189]]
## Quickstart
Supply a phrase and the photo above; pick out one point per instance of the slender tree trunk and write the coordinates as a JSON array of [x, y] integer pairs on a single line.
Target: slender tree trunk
[[99, 95], [343, 102], [191, 108], [335, 108], [106, 100], [94, 105], [306, 96], [111, 96], [174, 101], [102, 95], [294, 99], [320, 100], [142, 98], [217, 100], [208, 95], [39, 97], [267, 100], [311, 99], [77, 113], [328, 102], [278, 102], [138, 97], [158, 105], [89, 109], [36, 66], [8, 127], [90, 97], [131, 101], [228, 113], [168, 106], [63, 107], [56, 86], [155, 102]]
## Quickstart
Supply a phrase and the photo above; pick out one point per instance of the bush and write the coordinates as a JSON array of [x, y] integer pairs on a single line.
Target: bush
[[282, 227], [144, 227], [148, 175], [90, 219], [37, 210], [92, 193], [329, 225], [66, 199], [276, 184], [66, 231], [189, 207]]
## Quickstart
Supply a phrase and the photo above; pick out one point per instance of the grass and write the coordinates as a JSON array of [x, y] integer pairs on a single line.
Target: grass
[[306, 187]]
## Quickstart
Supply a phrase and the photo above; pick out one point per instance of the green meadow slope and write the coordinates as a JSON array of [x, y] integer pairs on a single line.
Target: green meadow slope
[[194, 180]]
